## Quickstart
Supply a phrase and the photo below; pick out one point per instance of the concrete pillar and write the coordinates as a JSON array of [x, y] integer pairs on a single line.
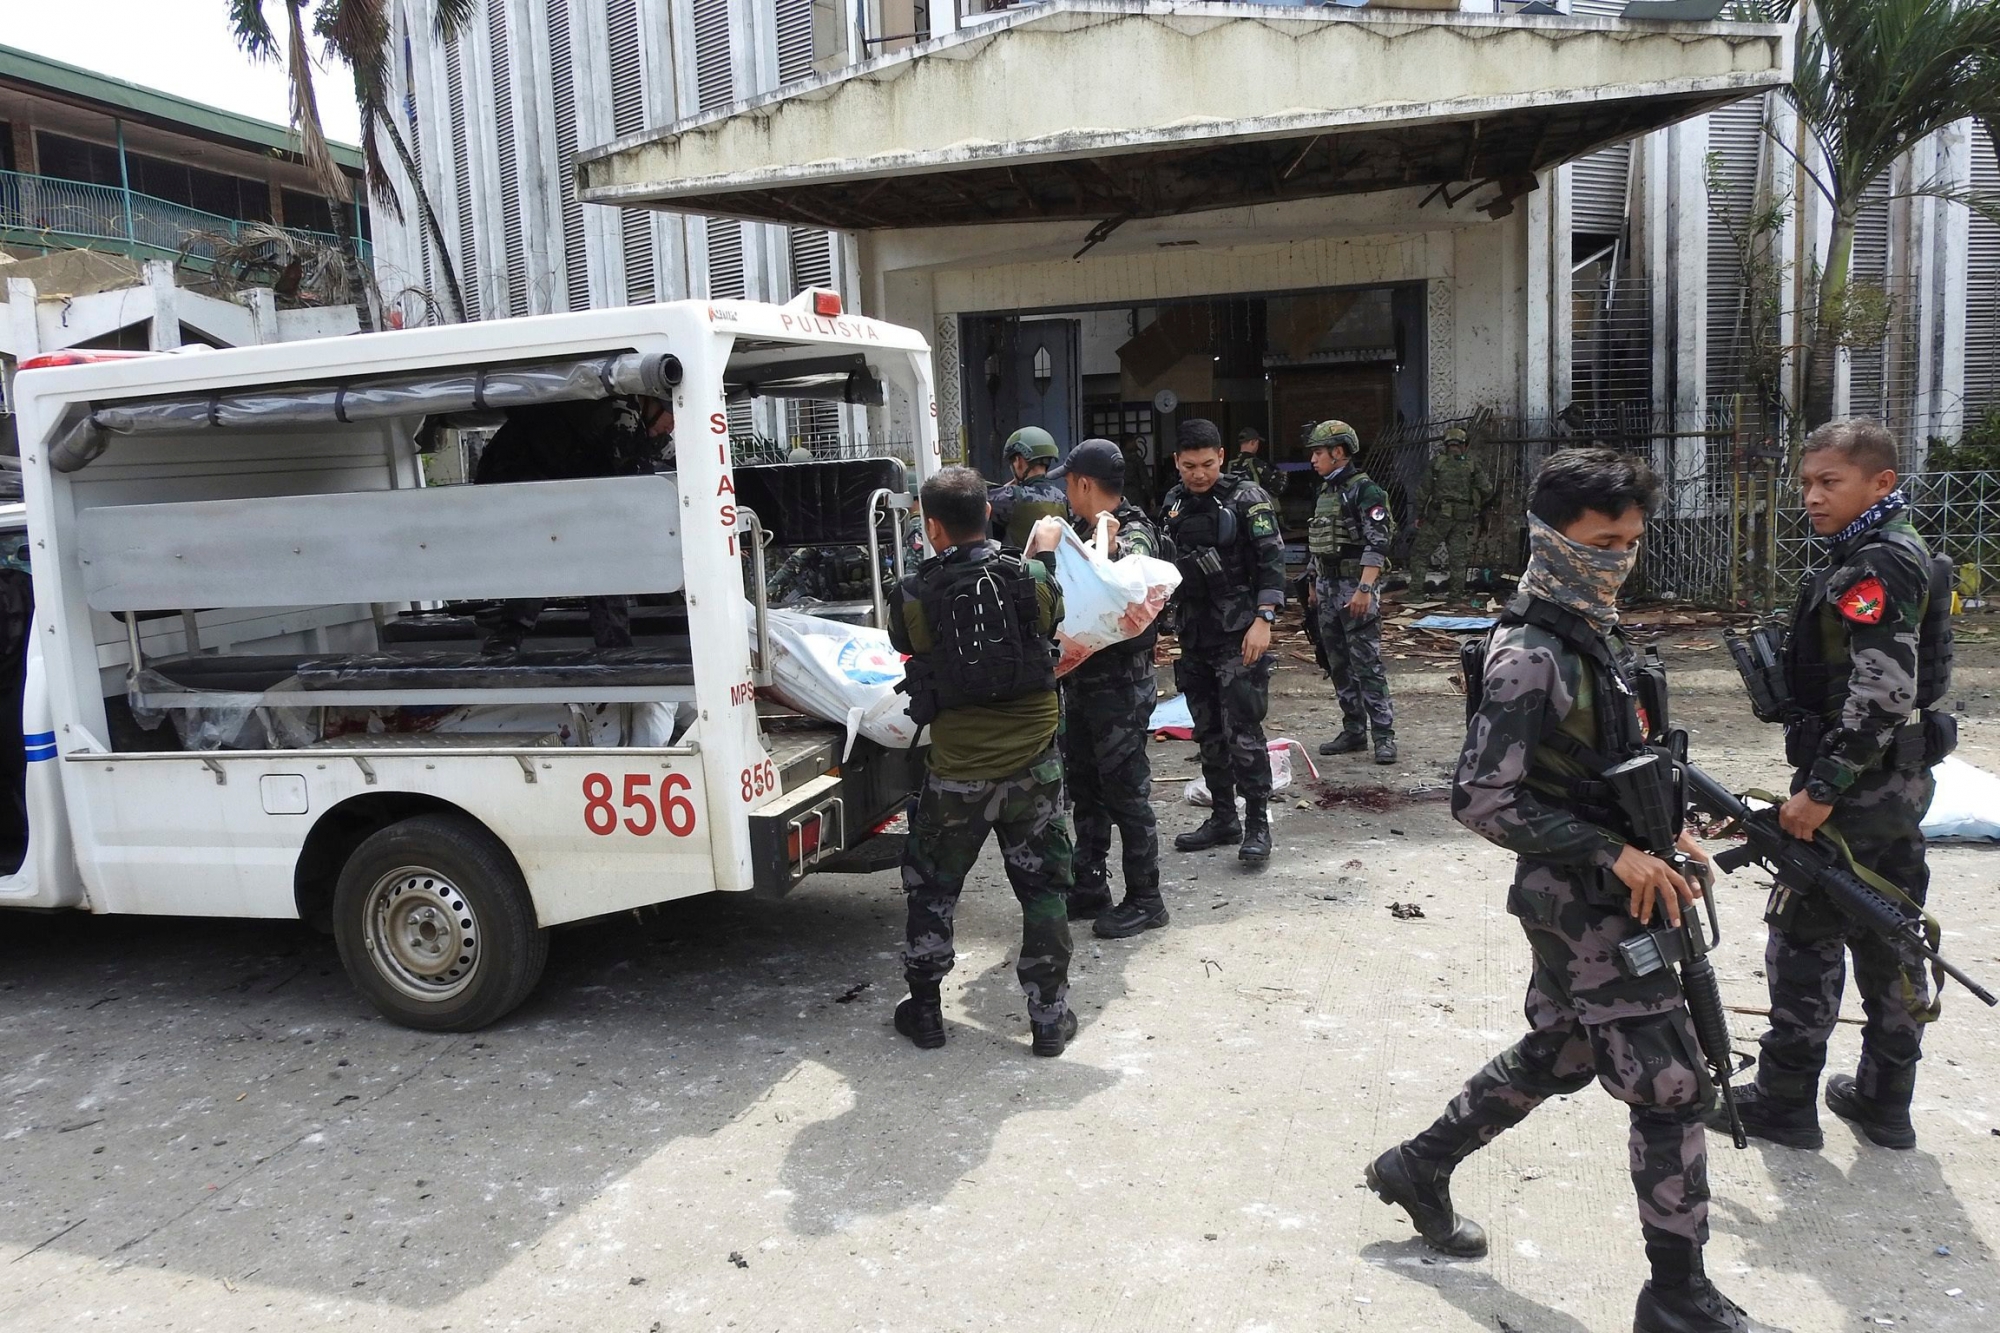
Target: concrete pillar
[[1537, 297], [1562, 311], [1651, 234], [164, 333], [277, 201], [1939, 407], [1687, 193], [26, 159], [27, 329], [262, 303]]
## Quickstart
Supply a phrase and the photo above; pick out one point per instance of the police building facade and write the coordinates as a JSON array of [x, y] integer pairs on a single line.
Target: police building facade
[[1108, 215]]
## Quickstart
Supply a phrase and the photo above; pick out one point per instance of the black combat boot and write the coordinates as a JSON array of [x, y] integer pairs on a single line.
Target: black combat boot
[[1088, 899], [1347, 742], [1256, 848], [1054, 1038], [1421, 1187], [1787, 1123], [921, 1017], [1220, 829], [1385, 747], [1142, 910], [1681, 1299], [1886, 1121]]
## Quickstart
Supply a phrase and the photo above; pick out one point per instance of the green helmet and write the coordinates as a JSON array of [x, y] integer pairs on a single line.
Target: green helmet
[[1327, 434], [1030, 442], [1456, 435]]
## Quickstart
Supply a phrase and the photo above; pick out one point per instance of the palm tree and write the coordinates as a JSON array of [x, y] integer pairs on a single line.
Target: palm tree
[[1874, 79], [356, 33]]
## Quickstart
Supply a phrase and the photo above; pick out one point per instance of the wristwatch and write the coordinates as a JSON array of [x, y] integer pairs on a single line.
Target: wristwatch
[[1268, 614]]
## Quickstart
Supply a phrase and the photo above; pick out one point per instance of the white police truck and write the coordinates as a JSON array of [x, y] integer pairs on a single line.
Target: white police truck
[[250, 680]]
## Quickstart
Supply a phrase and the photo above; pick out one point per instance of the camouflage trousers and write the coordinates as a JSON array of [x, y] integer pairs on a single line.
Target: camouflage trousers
[[953, 817], [1110, 780], [1457, 536], [1354, 656], [1587, 1020], [1227, 701], [1806, 962]]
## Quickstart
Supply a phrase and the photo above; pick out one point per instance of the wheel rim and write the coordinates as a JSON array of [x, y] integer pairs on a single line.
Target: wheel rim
[[422, 934]]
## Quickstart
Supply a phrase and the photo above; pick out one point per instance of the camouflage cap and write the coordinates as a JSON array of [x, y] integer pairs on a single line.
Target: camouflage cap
[[1328, 434], [1456, 435], [1030, 442]]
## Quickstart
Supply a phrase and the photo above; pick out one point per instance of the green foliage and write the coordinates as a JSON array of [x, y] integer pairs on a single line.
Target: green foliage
[[1978, 450]]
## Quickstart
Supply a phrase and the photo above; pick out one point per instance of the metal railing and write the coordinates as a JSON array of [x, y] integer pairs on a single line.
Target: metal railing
[[50, 212]]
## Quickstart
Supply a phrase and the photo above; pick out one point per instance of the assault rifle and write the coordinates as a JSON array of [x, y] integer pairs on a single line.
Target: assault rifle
[[1649, 791], [1820, 867]]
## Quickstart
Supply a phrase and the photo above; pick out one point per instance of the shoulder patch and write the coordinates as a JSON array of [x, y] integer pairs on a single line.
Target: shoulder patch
[[1865, 602], [1378, 513], [1263, 522]]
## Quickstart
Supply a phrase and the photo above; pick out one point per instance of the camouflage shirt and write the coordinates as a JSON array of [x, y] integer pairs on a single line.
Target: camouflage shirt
[[1508, 785], [1018, 505], [1258, 471], [1253, 561], [1865, 616], [1454, 487]]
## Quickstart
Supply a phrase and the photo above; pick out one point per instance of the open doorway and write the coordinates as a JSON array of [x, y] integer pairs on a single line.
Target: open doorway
[[1270, 362]]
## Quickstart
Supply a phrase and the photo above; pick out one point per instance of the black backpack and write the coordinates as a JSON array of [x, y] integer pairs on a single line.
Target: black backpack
[[984, 613]]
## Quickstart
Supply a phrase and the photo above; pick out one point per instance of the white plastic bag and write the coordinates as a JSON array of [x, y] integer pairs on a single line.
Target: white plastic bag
[[842, 673], [1966, 807], [1105, 601], [1281, 750]]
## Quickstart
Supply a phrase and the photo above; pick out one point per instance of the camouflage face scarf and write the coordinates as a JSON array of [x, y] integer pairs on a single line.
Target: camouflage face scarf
[[1870, 516], [1584, 579]]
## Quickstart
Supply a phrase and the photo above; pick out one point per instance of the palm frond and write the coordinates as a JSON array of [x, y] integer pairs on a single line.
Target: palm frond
[[252, 33], [451, 17]]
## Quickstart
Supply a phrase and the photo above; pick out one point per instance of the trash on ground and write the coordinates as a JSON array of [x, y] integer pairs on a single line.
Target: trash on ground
[[1172, 718], [1406, 911], [1281, 751]]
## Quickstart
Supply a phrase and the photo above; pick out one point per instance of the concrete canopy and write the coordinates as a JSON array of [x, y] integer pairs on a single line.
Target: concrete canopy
[[1114, 109]]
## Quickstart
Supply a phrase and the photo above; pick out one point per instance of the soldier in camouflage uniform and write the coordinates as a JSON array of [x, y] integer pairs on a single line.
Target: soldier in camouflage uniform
[[1232, 562], [1031, 496], [1454, 495], [1862, 741], [1251, 465], [1555, 703], [1349, 539], [994, 765], [1107, 708]]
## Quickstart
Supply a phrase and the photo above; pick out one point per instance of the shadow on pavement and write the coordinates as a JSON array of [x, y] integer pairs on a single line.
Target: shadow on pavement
[[1890, 1210], [1470, 1289], [212, 1096]]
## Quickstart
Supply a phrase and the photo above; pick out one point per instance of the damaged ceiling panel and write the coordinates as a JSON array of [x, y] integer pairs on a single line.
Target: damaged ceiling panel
[[1113, 109]]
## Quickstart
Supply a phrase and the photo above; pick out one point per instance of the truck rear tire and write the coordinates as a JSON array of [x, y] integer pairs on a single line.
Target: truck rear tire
[[435, 924]]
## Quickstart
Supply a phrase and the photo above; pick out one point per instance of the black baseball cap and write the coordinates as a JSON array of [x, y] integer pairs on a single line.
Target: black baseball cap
[[1098, 459]]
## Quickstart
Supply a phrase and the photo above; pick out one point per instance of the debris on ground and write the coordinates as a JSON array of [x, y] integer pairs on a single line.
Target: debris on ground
[[736, 1257], [1406, 911], [1378, 799], [853, 993]]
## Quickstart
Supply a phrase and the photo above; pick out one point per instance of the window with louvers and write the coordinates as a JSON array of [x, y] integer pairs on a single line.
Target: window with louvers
[[1609, 9], [513, 242], [628, 113], [1867, 383], [795, 39], [812, 423], [1597, 190], [715, 86], [562, 88], [414, 208], [461, 178], [1735, 145], [1982, 290]]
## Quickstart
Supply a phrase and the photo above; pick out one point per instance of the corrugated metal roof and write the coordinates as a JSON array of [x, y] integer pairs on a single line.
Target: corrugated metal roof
[[117, 97]]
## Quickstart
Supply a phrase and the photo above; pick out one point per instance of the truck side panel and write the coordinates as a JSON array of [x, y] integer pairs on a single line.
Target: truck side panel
[[219, 834]]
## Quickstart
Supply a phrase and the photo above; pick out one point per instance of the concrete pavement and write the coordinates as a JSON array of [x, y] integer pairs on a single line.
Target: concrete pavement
[[703, 1119]]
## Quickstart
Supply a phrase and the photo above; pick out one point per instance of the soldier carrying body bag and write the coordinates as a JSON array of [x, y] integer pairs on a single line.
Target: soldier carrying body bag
[[979, 626]]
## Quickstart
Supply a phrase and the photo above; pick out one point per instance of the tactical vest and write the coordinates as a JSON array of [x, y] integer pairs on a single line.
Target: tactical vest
[[984, 613], [1334, 530], [1620, 708], [1035, 499], [1818, 667], [1196, 524]]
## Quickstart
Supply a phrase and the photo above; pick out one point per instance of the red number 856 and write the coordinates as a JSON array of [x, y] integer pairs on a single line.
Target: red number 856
[[675, 812]]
